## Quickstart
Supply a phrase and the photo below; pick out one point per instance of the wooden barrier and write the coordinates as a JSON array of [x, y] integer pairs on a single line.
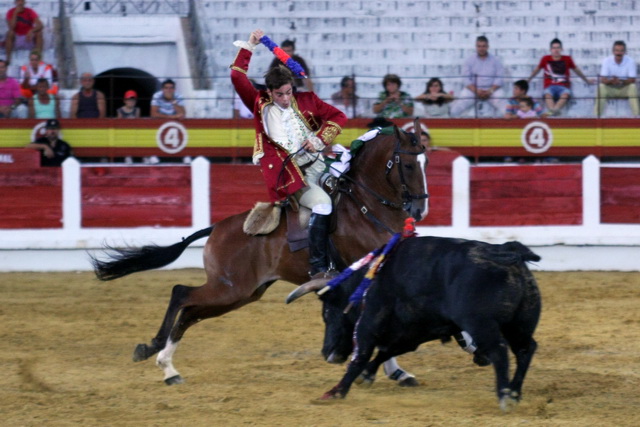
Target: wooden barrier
[[620, 195]]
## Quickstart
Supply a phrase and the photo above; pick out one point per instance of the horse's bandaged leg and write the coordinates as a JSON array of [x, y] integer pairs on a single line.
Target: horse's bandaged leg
[[465, 341], [164, 360]]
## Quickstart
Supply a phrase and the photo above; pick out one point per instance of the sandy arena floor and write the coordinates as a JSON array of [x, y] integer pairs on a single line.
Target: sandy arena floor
[[67, 342]]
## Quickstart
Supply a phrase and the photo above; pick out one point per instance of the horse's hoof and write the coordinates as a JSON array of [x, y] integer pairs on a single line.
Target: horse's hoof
[[409, 382], [508, 403], [141, 353], [329, 397], [177, 379]]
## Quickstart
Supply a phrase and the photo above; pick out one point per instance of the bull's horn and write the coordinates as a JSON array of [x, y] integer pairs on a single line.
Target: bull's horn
[[310, 286]]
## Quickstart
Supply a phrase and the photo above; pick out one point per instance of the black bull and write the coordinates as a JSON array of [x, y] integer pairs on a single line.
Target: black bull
[[432, 288]]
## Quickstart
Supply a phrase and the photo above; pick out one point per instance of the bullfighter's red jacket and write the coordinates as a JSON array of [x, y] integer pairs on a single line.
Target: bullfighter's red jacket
[[323, 119]]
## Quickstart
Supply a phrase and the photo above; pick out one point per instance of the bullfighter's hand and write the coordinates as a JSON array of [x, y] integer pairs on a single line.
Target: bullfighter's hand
[[255, 37]]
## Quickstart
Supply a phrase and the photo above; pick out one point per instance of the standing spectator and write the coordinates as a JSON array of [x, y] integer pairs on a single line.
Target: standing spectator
[[483, 73], [557, 78], [10, 96], [520, 89], [53, 150], [24, 29], [435, 99], [392, 102], [88, 103], [289, 47], [30, 74], [43, 105], [346, 99], [129, 110], [617, 79], [166, 103]]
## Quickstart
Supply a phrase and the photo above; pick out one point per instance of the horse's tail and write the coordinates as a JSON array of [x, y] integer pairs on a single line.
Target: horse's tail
[[131, 260]]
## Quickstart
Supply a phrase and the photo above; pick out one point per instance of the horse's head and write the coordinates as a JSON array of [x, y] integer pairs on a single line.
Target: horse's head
[[391, 168]]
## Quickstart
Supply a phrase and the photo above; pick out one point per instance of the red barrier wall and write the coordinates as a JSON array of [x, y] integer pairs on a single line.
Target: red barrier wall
[[439, 173], [526, 195], [134, 196], [620, 195], [235, 189], [30, 197]]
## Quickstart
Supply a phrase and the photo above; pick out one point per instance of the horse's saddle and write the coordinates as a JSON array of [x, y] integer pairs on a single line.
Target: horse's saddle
[[265, 217]]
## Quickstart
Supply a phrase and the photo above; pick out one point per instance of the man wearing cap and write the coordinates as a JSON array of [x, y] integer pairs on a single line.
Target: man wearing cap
[[53, 150], [292, 130], [129, 109]]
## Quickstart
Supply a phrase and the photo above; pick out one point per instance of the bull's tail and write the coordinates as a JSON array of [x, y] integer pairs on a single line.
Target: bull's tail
[[511, 253], [131, 260]]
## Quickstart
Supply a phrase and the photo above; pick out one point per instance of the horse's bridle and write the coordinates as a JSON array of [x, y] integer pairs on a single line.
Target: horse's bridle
[[407, 197]]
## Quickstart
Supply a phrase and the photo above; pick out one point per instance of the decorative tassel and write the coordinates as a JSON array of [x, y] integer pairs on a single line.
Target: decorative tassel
[[291, 63]]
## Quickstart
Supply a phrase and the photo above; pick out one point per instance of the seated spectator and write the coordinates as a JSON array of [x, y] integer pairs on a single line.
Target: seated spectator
[[129, 110], [10, 96], [88, 103], [483, 75], [53, 150], [557, 77], [392, 102], [289, 47], [617, 80], [43, 105], [166, 103], [346, 99], [24, 29], [525, 108], [520, 89], [32, 72], [435, 99]]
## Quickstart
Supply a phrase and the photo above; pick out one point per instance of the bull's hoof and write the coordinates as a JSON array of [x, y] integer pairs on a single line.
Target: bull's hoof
[[142, 352], [177, 379], [365, 380], [481, 360], [409, 382]]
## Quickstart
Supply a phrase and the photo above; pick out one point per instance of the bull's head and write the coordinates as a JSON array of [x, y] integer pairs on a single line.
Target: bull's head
[[339, 326]]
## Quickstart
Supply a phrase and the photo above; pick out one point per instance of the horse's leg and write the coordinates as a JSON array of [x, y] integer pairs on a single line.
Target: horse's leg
[[396, 373], [192, 314], [179, 295]]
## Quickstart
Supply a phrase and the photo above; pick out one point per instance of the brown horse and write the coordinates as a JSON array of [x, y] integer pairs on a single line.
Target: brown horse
[[385, 184]]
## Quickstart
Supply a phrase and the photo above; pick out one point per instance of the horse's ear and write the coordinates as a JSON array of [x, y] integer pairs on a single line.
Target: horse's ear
[[417, 129]]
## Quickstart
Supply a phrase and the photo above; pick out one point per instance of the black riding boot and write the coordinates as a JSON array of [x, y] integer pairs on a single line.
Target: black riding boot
[[318, 244]]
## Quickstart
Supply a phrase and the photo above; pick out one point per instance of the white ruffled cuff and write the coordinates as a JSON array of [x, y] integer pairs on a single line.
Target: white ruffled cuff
[[317, 143], [245, 45]]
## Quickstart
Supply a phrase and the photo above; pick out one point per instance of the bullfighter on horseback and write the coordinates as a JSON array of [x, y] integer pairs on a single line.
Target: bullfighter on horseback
[[292, 130]]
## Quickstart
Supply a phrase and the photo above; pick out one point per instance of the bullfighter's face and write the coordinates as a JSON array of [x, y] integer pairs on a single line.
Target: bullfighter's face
[[282, 95]]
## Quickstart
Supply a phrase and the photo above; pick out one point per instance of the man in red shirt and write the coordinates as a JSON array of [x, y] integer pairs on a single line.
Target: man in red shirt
[[557, 79], [292, 130], [25, 29]]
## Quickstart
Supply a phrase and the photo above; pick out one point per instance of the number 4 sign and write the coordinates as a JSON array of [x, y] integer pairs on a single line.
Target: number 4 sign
[[172, 137], [536, 137]]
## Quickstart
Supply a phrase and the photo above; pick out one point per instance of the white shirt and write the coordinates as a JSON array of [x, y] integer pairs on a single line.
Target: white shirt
[[288, 130], [626, 69]]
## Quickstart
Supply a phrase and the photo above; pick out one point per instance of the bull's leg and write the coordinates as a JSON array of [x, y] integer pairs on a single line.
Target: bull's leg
[[492, 345], [355, 368], [523, 347], [179, 295]]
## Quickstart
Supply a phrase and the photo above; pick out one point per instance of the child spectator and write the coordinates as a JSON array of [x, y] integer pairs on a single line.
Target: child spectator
[[525, 108], [10, 97], [25, 29], [520, 89], [43, 105], [129, 110]]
